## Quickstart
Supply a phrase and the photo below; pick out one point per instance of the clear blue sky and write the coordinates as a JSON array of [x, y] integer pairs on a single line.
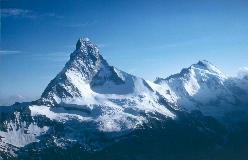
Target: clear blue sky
[[147, 38]]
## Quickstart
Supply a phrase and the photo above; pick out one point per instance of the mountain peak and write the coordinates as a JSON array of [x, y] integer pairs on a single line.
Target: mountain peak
[[84, 63], [207, 66], [202, 67], [83, 41], [204, 64], [85, 48]]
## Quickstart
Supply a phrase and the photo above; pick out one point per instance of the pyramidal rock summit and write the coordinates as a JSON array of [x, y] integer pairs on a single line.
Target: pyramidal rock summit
[[89, 97], [114, 99]]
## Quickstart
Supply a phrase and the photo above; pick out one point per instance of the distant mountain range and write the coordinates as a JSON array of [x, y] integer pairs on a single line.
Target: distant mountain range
[[91, 102]]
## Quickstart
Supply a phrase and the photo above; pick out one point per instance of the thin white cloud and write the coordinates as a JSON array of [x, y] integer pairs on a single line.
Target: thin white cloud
[[243, 72], [24, 13], [53, 56], [9, 52], [15, 12]]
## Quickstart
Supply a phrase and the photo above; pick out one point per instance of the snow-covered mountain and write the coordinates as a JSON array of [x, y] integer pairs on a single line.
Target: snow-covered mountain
[[202, 86], [90, 100], [88, 97], [115, 100]]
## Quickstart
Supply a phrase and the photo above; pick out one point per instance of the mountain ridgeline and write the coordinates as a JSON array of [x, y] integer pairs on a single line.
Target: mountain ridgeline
[[92, 110]]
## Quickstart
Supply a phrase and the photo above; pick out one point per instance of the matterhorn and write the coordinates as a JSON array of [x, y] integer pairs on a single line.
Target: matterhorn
[[91, 106]]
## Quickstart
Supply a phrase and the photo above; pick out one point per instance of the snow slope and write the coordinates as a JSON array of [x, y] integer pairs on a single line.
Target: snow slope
[[202, 86], [18, 134]]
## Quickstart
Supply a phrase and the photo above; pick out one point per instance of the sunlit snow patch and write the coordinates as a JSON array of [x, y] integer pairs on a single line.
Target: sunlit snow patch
[[20, 134]]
